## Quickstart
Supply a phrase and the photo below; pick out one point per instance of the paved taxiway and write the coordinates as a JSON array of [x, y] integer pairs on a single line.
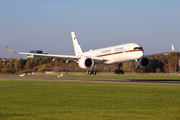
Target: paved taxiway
[[162, 82]]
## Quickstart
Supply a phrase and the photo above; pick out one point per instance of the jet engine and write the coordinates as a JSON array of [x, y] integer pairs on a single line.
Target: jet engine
[[144, 62], [86, 63]]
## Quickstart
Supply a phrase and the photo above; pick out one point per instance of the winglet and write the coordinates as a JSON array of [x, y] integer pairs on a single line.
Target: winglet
[[10, 50], [172, 47]]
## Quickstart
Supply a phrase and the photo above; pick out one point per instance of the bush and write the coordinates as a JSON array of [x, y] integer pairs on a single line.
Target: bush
[[7, 71], [57, 69], [42, 69], [158, 70], [26, 71]]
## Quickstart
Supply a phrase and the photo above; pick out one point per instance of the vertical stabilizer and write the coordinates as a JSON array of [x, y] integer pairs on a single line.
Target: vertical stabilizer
[[77, 47]]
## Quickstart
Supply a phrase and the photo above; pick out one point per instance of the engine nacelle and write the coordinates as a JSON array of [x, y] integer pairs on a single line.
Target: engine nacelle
[[145, 62], [86, 63]]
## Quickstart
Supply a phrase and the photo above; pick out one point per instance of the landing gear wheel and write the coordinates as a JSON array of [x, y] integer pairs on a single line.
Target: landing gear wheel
[[88, 72], [94, 73], [91, 72], [119, 71], [116, 72]]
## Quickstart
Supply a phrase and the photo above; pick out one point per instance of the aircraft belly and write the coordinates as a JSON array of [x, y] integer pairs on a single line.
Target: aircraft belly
[[122, 57]]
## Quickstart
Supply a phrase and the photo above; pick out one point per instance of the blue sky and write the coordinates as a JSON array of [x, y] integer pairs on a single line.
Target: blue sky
[[46, 25]]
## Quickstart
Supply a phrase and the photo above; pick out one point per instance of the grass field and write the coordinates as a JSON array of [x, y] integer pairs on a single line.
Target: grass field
[[83, 101], [124, 77]]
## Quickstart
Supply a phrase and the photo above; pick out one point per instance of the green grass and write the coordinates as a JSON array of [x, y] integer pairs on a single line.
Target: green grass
[[83, 101], [124, 77]]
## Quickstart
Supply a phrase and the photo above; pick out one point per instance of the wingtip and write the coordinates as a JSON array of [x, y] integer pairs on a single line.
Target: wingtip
[[172, 47], [8, 48]]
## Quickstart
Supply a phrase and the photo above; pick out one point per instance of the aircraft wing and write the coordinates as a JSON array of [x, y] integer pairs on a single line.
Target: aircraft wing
[[161, 53], [49, 55]]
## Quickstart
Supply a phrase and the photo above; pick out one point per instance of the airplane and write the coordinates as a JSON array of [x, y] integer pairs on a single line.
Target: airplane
[[105, 56]]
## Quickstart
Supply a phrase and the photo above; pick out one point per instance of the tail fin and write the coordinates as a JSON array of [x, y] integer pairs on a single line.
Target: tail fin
[[77, 47]]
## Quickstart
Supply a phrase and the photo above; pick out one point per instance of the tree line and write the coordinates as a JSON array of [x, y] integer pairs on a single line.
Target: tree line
[[160, 63]]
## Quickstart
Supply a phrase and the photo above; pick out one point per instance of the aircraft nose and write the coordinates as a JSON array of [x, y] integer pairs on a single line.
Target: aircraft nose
[[140, 54]]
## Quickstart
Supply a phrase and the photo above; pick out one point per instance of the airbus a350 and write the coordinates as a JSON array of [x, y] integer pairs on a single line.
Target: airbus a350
[[105, 56]]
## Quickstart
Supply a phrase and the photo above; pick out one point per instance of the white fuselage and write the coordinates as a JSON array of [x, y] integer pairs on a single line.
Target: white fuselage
[[117, 54]]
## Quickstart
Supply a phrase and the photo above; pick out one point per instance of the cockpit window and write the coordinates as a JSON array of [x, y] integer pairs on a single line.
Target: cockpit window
[[138, 48]]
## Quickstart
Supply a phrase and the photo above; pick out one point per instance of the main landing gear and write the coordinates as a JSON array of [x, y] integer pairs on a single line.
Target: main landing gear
[[119, 71], [90, 72]]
